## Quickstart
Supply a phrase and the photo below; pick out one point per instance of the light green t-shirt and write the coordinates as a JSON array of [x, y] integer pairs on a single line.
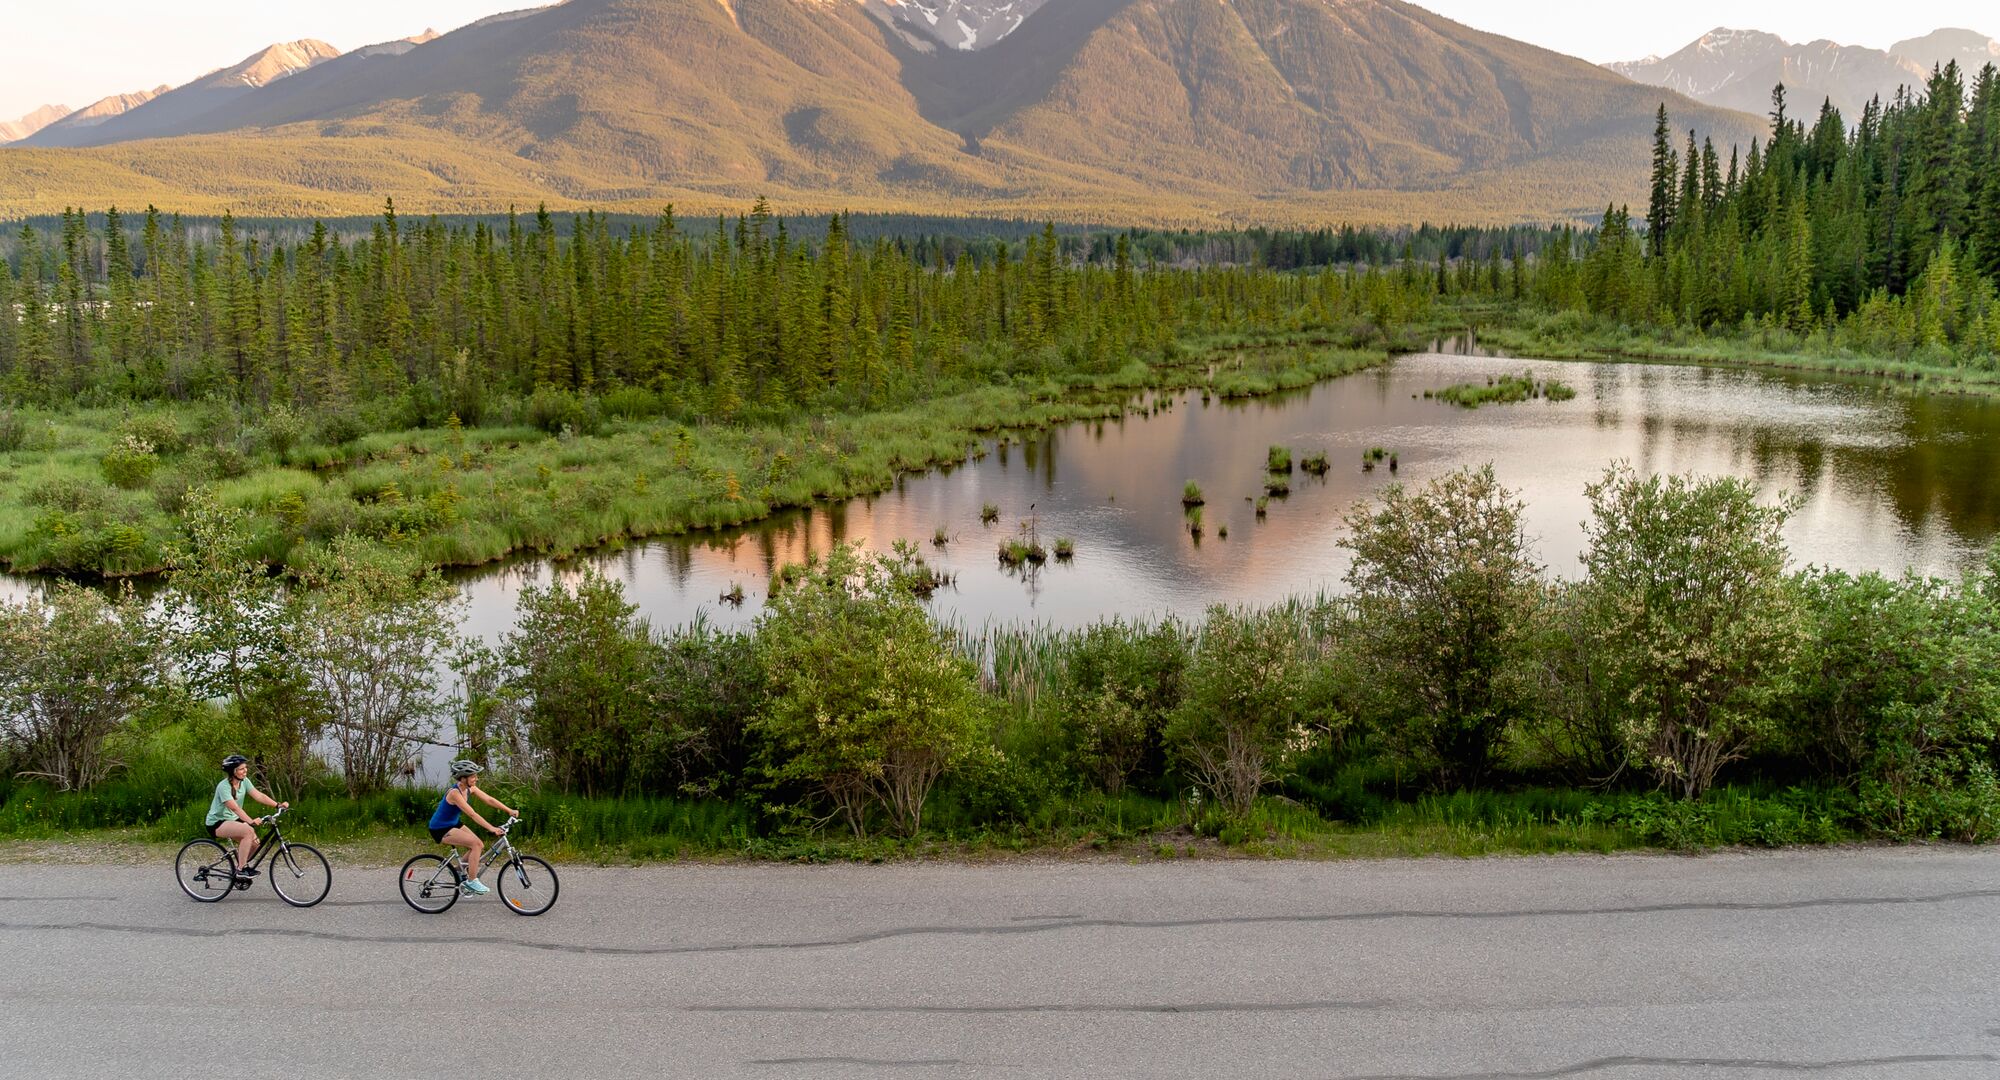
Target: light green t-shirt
[[219, 813]]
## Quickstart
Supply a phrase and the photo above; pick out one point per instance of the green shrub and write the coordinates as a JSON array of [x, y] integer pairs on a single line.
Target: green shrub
[[1120, 685], [129, 463], [1694, 616], [283, 429], [338, 427], [559, 411], [870, 703], [633, 403], [13, 431], [1242, 711], [160, 431], [1443, 586], [584, 667]]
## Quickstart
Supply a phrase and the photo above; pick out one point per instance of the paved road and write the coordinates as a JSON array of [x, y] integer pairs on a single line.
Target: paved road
[[1850, 964]]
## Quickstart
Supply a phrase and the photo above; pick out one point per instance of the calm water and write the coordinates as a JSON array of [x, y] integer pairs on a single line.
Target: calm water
[[1888, 481]]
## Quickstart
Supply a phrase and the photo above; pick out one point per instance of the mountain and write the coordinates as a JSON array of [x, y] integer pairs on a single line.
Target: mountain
[[178, 111], [962, 24], [97, 112], [1972, 49], [1737, 69], [1192, 111], [11, 130], [394, 48]]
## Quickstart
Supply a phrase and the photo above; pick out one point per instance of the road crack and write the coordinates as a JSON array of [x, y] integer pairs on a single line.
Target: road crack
[[870, 1062], [1636, 1062], [1010, 929], [1060, 1007]]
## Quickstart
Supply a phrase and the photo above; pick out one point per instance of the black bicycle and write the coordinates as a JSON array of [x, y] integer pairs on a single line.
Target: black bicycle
[[528, 885], [299, 874]]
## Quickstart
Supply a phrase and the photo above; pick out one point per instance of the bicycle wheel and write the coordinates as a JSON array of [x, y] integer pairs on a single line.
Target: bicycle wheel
[[528, 885], [428, 885], [206, 870], [299, 875]]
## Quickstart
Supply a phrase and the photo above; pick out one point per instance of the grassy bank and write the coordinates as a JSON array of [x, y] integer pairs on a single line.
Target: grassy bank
[[1527, 332], [1330, 808], [387, 827], [627, 467]]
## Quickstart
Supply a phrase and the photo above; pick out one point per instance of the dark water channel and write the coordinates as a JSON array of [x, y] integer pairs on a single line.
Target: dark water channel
[[1888, 481]]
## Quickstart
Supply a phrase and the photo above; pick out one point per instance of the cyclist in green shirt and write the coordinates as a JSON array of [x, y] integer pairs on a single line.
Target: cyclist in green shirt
[[226, 818]]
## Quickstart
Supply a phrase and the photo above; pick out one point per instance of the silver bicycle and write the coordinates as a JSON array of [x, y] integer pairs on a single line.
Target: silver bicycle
[[527, 885]]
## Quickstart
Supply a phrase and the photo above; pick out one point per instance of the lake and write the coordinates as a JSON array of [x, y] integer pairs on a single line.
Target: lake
[[1887, 480]]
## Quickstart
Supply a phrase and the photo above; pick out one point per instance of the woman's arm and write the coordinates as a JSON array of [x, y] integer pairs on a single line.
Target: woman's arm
[[457, 798], [481, 792], [237, 809], [258, 794]]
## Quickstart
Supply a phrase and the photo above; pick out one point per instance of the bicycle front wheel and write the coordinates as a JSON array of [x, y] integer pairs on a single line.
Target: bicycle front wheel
[[300, 875], [428, 884], [206, 870], [528, 885]]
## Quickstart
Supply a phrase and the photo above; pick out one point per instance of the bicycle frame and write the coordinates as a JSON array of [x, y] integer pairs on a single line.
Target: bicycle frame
[[267, 842], [500, 854]]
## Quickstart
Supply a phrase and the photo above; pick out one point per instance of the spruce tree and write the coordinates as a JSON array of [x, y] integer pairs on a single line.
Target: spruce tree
[[1660, 213]]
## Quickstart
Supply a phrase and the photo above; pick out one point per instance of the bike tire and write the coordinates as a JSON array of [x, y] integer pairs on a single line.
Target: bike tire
[[528, 885], [427, 886], [205, 870], [299, 874]]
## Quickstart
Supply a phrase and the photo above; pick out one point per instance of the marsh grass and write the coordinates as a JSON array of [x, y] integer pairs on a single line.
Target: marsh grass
[[471, 495]]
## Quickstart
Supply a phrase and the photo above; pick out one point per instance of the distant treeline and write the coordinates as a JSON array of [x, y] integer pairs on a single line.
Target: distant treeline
[[747, 322], [932, 240]]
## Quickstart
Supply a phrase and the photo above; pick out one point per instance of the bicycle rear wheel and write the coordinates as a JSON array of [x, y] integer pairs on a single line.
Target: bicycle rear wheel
[[300, 875], [528, 885], [428, 884], [206, 870]]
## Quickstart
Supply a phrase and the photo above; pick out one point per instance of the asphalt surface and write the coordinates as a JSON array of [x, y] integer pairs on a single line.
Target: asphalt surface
[[1869, 963]]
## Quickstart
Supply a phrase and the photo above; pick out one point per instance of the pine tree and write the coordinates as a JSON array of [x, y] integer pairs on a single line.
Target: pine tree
[[1660, 214]]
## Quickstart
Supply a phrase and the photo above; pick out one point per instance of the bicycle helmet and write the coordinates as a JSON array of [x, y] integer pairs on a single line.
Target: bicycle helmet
[[229, 763], [462, 768]]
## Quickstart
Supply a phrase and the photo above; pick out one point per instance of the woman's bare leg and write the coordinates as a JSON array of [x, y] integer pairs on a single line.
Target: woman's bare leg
[[245, 837], [466, 840]]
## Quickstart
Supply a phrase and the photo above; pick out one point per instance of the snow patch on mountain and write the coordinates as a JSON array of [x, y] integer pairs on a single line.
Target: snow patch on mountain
[[963, 24]]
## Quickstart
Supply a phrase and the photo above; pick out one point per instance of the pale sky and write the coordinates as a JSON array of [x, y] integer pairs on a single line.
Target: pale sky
[[71, 54], [75, 53]]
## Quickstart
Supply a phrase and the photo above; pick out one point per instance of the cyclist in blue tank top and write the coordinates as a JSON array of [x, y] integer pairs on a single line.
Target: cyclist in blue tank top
[[447, 821]]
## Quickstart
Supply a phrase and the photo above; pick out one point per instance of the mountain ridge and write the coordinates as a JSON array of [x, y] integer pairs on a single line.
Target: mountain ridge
[[1195, 110], [1737, 68], [172, 111], [24, 126]]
